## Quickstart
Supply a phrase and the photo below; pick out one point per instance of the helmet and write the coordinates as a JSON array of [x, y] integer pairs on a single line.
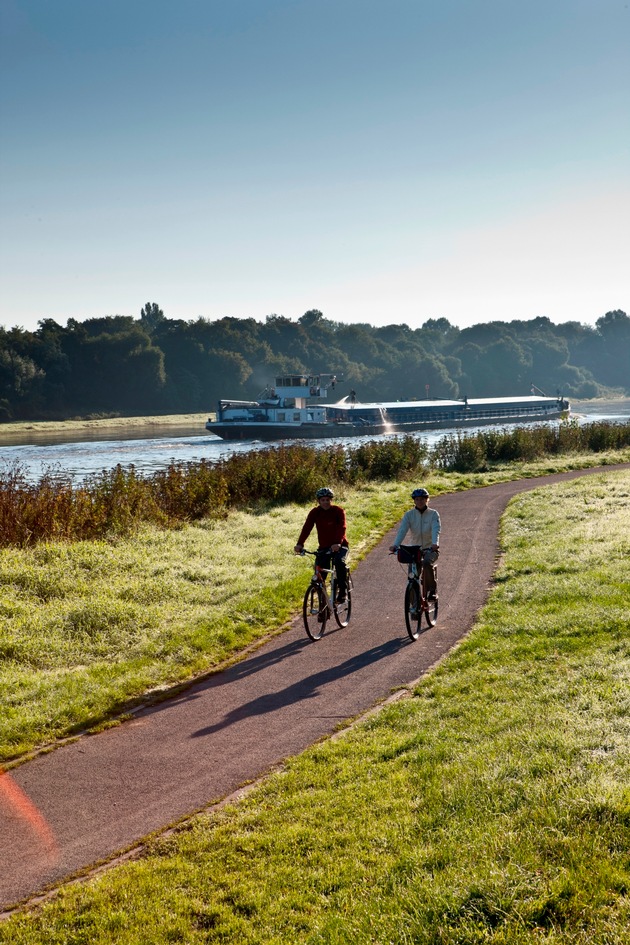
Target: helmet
[[321, 493], [419, 492]]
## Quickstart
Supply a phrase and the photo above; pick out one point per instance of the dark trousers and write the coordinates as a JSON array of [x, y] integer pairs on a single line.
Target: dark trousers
[[324, 559]]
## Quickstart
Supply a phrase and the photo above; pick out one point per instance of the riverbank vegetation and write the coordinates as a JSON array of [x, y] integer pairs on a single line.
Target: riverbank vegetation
[[118, 365], [491, 806], [116, 501]]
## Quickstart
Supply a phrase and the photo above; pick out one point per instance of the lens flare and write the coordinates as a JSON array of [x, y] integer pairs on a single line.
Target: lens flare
[[26, 811]]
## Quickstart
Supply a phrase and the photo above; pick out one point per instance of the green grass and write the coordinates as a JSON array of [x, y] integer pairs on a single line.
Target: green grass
[[493, 806], [88, 628]]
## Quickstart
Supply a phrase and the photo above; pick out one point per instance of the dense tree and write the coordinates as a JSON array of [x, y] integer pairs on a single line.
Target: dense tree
[[439, 333], [501, 367], [118, 364], [614, 328], [413, 374], [151, 316], [121, 372], [19, 373]]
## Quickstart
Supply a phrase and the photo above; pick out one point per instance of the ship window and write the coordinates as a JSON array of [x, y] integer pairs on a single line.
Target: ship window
[[296, 415], [290, 382], [282, 417]]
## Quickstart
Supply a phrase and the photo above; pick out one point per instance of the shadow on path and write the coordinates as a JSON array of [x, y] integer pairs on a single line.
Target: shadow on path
[[307, 688]]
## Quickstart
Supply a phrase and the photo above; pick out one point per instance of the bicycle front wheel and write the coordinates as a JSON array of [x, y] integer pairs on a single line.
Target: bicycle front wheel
[[343, 610], [413, 613], [315, 612], [430, 609]]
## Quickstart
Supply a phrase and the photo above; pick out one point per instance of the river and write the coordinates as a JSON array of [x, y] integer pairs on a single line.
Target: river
[[79, 459]]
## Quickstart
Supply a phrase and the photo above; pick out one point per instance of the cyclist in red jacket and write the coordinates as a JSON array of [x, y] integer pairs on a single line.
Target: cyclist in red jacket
[[330, 522]]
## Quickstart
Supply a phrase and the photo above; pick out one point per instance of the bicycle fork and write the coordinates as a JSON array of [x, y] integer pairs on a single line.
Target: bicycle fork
[[320, 582]]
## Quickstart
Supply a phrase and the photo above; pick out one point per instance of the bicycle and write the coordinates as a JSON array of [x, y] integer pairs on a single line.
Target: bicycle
[[319, 605], [417, 604]]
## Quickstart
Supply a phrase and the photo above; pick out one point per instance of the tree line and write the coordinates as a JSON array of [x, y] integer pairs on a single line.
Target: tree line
[[151, 365]]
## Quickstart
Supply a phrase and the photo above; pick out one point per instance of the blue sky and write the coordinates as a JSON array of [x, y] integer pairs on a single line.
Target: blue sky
[[384, 162]]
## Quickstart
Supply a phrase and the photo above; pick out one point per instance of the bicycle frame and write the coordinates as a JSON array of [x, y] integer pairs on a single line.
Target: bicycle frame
[[320, 605], [319, 577]]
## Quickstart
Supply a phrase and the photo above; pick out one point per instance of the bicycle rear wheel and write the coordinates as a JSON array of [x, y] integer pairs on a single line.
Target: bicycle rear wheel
[[431, 611], [413, 614], [315, 612]]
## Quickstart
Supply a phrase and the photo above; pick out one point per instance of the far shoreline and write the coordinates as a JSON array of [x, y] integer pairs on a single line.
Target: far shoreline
[[20, 432]]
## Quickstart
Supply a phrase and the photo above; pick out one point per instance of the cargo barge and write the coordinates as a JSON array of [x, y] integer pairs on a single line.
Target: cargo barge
[[290, 410]]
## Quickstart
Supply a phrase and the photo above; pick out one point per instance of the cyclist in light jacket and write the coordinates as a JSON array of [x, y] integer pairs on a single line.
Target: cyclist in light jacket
[[424, 525]]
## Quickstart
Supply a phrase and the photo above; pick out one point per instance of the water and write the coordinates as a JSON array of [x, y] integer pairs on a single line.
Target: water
[[87, 457], [81, 459]]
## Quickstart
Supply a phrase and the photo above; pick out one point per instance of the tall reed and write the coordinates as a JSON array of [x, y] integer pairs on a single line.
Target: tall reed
[[476, 452]]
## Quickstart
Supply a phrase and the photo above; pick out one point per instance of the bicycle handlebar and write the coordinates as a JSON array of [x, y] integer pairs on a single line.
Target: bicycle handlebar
[[398, 547], [323, 551]]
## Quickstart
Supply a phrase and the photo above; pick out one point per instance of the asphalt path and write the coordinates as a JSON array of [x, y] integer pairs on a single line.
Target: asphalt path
[[103, 793]]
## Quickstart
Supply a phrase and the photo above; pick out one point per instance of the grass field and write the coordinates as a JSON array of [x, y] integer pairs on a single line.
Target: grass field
[[493, 806]]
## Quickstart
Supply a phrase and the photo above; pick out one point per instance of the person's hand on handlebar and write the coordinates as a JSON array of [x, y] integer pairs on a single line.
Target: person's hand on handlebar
[[298, 550], [393, 549]]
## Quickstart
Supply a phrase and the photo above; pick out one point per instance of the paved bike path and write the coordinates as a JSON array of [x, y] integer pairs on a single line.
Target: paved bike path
[[105, 792]]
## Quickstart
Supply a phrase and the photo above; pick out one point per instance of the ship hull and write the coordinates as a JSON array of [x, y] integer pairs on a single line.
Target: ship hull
[[251, 430], [245, 430]]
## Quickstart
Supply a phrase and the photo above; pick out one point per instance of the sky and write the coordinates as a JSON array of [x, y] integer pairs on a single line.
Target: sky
[[383, 161]]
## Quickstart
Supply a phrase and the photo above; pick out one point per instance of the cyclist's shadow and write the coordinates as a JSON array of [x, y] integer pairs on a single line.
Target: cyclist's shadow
[[307, 688]]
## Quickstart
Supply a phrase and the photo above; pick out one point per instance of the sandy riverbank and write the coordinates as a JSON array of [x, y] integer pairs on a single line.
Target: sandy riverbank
[[602, 405], [27, 431]]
